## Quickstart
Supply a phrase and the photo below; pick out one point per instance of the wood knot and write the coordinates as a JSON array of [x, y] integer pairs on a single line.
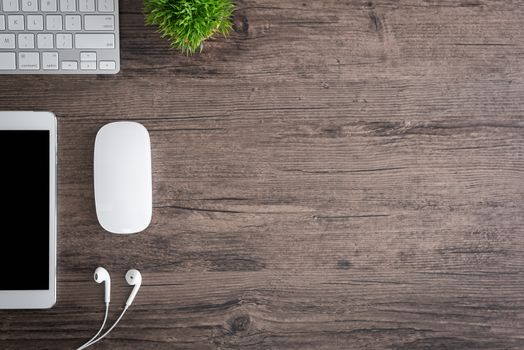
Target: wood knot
[[333, 131], [239, 324], [343, 265], [241, 25], [375, 21]]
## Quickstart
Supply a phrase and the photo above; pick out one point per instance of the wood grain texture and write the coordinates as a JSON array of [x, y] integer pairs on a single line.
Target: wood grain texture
[[336, 175]]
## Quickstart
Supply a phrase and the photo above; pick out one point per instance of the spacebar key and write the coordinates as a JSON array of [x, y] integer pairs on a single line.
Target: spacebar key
[[95, 41]]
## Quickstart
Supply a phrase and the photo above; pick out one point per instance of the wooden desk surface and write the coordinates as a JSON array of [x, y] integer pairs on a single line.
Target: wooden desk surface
[[337, 175]]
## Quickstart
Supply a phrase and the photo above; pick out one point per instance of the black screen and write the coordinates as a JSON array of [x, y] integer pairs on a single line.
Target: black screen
[[24, 212]]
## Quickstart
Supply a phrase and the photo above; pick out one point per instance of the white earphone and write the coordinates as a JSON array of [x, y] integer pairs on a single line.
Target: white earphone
[[133, 278], [101, 275]]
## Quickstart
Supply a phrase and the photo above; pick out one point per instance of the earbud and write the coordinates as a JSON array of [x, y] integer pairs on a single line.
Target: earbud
[[101, 275], [133, 278]]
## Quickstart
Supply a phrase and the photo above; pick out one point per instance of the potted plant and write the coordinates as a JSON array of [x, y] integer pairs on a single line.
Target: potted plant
[[188, 23]]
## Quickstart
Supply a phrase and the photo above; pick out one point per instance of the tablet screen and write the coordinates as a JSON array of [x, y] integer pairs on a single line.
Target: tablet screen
[[24, 212]]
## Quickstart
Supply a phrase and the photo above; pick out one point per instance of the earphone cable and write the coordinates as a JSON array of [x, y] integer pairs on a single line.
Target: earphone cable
[[106, 333], [99, 331]]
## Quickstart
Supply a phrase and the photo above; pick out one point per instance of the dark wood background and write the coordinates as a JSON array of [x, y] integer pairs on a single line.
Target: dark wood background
[[336, 175]]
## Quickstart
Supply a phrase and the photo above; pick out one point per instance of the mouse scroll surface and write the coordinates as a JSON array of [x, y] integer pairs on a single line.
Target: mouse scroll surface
[[122, 175]]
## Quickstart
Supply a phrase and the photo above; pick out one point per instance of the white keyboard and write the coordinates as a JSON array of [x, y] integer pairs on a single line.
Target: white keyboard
[[59, 37]]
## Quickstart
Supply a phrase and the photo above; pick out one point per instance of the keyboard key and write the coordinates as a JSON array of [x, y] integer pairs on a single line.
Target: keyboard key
[[48, 5], [26, 41], [64, 41], [107, 65], [15, 22], [2, 22], [7, 61], [53, 22], [69, 65], [106, 5], [95, 41], [86, 5], [35, 22], [88, 65], [50, 60], [67, 5], [88, 56], [29, 60], [44, 41], [7, 41], [10, 5], [97, 22], [72, 22], [29, 5]]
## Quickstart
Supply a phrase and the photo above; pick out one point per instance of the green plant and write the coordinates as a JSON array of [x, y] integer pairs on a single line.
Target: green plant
[[188, 23]]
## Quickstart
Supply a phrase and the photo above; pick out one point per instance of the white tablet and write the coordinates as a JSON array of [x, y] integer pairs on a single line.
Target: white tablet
[[28, 210]]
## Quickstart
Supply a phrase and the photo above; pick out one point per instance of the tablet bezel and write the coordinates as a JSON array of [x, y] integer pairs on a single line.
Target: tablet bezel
[[36, 299]]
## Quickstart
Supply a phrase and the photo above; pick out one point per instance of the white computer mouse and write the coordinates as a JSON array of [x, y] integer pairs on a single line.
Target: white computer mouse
[[122, 175]]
